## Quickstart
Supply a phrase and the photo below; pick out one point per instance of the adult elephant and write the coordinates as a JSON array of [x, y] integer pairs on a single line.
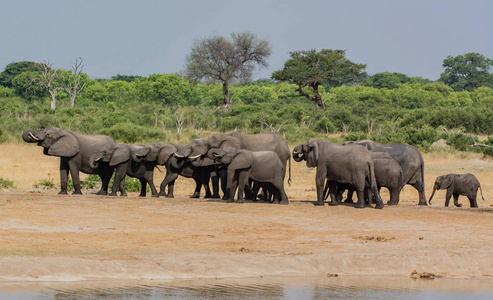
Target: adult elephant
[[163, 154], [458, 184], [410, 160], [261, 166], [74, 150], [351, 164], [254, 142], [120, 157]]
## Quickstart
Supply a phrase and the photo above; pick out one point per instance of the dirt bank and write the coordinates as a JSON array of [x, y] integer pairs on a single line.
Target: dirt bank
[[44, 236]]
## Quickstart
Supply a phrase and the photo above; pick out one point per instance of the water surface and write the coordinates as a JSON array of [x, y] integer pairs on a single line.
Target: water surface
[[309, 287]]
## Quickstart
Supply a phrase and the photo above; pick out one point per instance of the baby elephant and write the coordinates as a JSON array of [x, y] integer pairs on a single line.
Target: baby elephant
[[261, 166], [458, 184]]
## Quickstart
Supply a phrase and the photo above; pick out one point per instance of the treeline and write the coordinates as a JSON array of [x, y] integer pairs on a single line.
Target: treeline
[[168, 108]]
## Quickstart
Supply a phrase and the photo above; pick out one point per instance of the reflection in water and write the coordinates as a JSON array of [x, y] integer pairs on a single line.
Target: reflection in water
[[344, 287]]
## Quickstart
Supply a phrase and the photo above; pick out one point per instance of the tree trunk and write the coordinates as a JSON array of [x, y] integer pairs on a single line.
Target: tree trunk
[[316, 97], [227, 100], [53, 99]]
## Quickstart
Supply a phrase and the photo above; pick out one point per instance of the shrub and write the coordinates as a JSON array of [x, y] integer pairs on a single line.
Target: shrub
[[6, 184]]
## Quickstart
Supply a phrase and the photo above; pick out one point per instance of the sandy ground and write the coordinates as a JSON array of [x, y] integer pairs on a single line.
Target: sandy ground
[[48, 237]]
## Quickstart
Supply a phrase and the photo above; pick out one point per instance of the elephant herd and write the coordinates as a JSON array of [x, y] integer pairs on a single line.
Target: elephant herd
[[242, 164]]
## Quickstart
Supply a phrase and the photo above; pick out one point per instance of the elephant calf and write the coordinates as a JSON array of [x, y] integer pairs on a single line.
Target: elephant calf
[[458, 184], [261, 166]]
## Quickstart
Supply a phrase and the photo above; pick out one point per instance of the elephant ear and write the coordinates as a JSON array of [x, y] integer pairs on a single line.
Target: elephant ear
[[446, 182], [312, 153], [242, 160], [65, 146], [120, 155], [230, 142], [165, 153]]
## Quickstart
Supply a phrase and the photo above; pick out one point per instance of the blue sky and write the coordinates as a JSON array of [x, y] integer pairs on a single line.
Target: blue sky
[[154, 37]]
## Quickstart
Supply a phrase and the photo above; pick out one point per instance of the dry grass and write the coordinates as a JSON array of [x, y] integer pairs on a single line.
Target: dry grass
[[25, 164]]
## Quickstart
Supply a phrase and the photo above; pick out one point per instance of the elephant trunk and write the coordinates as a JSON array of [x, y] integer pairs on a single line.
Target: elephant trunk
[[29, 137], [296, 155], [94, 161], [432, 194]]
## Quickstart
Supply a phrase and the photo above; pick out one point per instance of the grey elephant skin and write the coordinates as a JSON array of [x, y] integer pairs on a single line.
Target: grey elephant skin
[[254, 142], [388, 174], [120, 157], [261, 166], [163, 154], [458, 184], [75, 151], [350, 164], [410, 160]]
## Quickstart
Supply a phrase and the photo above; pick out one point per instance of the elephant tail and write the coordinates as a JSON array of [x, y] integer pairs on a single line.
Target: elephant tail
[[289, 178], [480, 189], [373, 186]]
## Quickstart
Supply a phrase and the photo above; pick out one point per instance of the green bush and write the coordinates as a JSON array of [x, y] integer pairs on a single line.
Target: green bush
[[6, 184]]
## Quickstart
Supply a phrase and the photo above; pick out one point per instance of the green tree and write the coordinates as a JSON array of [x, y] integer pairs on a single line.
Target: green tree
[[14, 69], [312, 68], [386, 80], [218, 59], [467, 72]]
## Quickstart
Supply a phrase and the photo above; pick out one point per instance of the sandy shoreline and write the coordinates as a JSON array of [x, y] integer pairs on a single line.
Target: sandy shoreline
[[53, 238], [48, 237]]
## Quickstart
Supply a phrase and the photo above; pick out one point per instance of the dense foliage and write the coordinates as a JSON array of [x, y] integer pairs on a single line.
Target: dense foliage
[[386, 107]]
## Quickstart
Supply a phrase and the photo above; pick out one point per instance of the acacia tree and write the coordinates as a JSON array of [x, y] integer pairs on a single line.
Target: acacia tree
[[467, 72], [218, 59], [311, 69]]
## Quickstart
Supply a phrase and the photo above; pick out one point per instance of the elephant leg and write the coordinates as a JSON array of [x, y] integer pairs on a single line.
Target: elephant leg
[[215, 185], [205, 178], [472, 199], [198, 185], [349, 198], [242, 184], [231, 184], [121, 187], [119, 178], [169, 181], [420, 186], [149, 178], [448, 196], [334, 189], [223, 175], [74, 173], [279, 187], [376, 195], [171, 188], [361, 198], [320, 178], [63, 177], [143, 187], [105, 175], [456, 200], [394, 195]]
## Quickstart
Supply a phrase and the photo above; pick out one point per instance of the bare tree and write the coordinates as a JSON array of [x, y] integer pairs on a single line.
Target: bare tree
[[179, 122], [218, 59], [73, 83], [476, 144], [47, 79]]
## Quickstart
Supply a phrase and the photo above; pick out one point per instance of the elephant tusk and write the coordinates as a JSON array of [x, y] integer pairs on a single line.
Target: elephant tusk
[[33, 137], [178, 155], [139, 155], [97, 159], [195, 157], [295, 152]]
